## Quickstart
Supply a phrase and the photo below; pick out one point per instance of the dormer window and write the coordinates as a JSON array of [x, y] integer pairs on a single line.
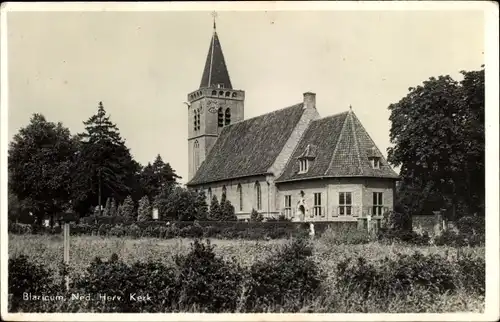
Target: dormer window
[[303, 165], [375, 162], [220, 85], [308, 155]]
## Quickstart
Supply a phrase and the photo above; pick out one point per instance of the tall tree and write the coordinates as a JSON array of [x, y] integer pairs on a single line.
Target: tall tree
[[40, 167], [438, 136], [105, 165], [157, 177]]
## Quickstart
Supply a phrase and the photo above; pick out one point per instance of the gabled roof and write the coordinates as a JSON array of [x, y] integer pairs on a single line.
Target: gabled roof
[[215, 71], [249, 147], [343, 150]]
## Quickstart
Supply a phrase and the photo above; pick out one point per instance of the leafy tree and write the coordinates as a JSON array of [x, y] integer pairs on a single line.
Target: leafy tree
[[256, 216], [226, 209], [40, 165], [144, 209], [215, 213], [438, 136], [105, 165], [181, 204], [128, 209]]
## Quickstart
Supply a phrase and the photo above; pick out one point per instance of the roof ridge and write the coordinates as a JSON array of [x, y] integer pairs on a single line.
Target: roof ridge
[[331, 116], [356, 145], [373, 142], [294, 150], [336, 144], [265, 114]]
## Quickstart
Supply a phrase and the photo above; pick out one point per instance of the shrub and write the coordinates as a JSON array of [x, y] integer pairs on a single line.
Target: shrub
[[256, 216], [285, 278], [18, 228], [406, 236], [206, 280], [345, 235], [144, 210], [127, 210], [388, 279], [472, 273], [27, 277]]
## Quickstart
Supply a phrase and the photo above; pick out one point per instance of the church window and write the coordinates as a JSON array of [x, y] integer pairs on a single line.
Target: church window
[[196, 155], [345, 203], [288, 206], [221, 93], [234, 94], [214, 93], [258, 196], [220, 118], [220, 85], [303, 165], [240, 197], [227, 119], [228, 94], [317, 205]]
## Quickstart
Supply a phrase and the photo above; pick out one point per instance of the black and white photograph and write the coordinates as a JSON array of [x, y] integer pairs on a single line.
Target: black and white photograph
[[269, 161]]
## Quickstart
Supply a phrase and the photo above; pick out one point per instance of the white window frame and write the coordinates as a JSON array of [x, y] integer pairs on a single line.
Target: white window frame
[[288, 206]]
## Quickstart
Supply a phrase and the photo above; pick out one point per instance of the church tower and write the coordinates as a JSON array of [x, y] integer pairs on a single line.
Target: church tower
[[214, 105]]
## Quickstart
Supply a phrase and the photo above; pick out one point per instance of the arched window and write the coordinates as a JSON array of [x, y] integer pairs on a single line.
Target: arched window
[[196, 121], [240, 197], [227, 94], [220, 117], [234, 94], [209, 195], [258, 196], [227, 119], [224, 191], [214, 93], [196, 155]]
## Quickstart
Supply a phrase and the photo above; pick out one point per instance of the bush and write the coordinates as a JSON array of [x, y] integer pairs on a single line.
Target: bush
[[207, 281], [389, 279], [256, 216], [407, 236], [18, 228], [285, 278], [27, 277], [351, 236]]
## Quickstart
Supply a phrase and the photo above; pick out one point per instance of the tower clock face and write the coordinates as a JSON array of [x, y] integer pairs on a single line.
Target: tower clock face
[[213, 106]]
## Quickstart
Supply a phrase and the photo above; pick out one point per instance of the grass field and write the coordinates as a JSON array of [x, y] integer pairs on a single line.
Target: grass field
[[49, 251]]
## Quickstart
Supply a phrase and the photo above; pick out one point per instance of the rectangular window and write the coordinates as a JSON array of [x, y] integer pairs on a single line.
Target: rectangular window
[[377, 204], [303, 165], [345, 203], [288, 206], [375, 163], [317, 204]]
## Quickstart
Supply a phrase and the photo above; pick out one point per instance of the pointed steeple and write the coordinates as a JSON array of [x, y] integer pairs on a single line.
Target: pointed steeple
[[215, 73]]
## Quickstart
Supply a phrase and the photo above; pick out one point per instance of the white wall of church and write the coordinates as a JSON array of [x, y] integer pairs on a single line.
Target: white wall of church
[[361, 191], [248, 192]]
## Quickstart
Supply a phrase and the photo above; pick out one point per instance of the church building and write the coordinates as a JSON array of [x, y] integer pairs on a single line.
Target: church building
[[289, 162]]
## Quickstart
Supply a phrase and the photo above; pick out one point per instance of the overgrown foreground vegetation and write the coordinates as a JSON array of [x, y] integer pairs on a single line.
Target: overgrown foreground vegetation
[[294, 275]]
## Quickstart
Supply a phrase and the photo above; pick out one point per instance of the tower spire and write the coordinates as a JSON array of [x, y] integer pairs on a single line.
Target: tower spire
[[215, 73]]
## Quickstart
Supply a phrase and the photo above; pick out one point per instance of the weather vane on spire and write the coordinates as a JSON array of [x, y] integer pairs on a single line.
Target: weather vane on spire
[[214, 15]]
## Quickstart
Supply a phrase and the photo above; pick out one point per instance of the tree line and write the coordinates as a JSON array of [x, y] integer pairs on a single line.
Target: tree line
[[437, 132], [52, 171]]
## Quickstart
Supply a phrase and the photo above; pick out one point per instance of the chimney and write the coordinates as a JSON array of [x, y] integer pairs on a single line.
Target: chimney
[[309, 100]]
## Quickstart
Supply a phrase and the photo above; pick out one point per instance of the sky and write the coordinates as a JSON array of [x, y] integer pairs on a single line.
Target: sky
[[142, 65]]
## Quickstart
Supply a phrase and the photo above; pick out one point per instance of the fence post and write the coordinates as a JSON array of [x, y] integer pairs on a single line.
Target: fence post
[[66, 250]]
